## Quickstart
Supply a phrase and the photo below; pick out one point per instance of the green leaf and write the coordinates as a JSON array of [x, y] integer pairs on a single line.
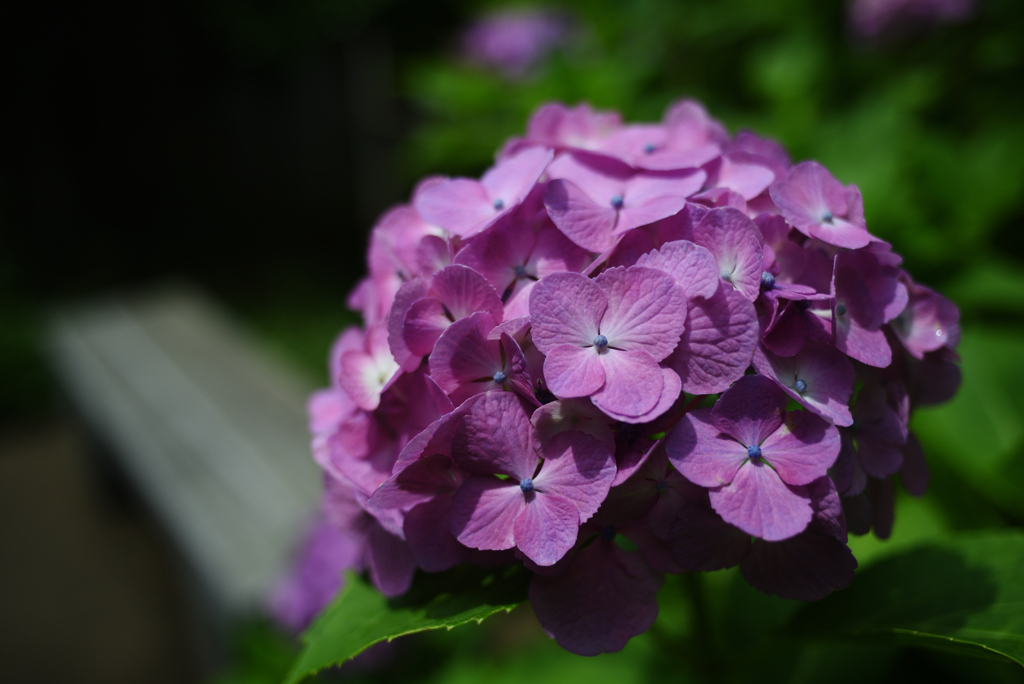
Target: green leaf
[[361, 616], [965, 595], [979, 434]]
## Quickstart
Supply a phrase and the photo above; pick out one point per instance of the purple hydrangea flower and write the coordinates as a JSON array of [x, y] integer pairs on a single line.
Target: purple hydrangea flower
[[545, 494], [756, 458], [466, 207], [423, 308], [558, 334], [616, 589], [466, 362], [819, 207], [603, 338], [513, 41], [594, 199], [512, 256], [877, 18]]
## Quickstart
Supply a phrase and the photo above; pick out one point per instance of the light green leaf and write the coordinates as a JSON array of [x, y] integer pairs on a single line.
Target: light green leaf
[[361, 616], [965, 595]]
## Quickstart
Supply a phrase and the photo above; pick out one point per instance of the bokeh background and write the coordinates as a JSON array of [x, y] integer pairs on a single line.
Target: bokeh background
[[248, 145]]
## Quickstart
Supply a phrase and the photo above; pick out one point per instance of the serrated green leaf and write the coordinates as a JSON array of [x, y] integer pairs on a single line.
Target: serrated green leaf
[[361, 616], [965, 595]]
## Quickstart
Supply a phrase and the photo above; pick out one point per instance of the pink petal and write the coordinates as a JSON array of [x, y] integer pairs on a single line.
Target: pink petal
[[633, 383], [420, 482], [460, 205], [463, 354], [761, 504], [391, 563], [587, 223], [605, 597], [484, 511], [867, 346], [432, 544], [826, 373], [655, 209], [807, 193], [750, 410], [566, 308], [406, 296], [716, 348], [739, 172], [363, 377], [436, 438], [647, 187], [424, 322], [598, 176], [494, 437], [464, 291], [803, 449], [513, 178], [646, 310], [572, 371], [579, 468], [671, 388], [702, 453], [517, 369], [692, 267], [736, 244], [555, 253], [547, 527], [496, 252], [571, 414]]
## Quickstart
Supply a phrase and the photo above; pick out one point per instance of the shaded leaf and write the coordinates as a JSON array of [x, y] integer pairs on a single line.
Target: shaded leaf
[[965, 595], [361, 616]]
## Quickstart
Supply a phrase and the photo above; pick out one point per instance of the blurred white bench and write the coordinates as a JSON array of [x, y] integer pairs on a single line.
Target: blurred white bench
[[208, 428]]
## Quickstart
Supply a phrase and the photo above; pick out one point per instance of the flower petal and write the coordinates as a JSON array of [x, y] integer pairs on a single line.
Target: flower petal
[[758, 502], [566, 308], [547, 527], [605, 597], [716, 348], [484, 511], [702, 453]]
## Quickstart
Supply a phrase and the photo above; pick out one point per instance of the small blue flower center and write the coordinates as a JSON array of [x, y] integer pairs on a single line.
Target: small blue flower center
[[826, 217], [617, 201], [608, 533], [767, 280], [754, 451], [499, 204], [662, 486], [648, 148], [840, 309], [800, 386], [600, 341], [500, 377], [526, 484], [520, 271]]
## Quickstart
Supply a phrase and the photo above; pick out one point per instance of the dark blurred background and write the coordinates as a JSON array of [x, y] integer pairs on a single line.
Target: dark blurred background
[[248, 145]]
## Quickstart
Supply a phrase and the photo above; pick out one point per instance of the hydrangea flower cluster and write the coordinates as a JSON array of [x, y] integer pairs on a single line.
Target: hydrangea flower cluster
[[627, 350], [512, 42], [874, 19]]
